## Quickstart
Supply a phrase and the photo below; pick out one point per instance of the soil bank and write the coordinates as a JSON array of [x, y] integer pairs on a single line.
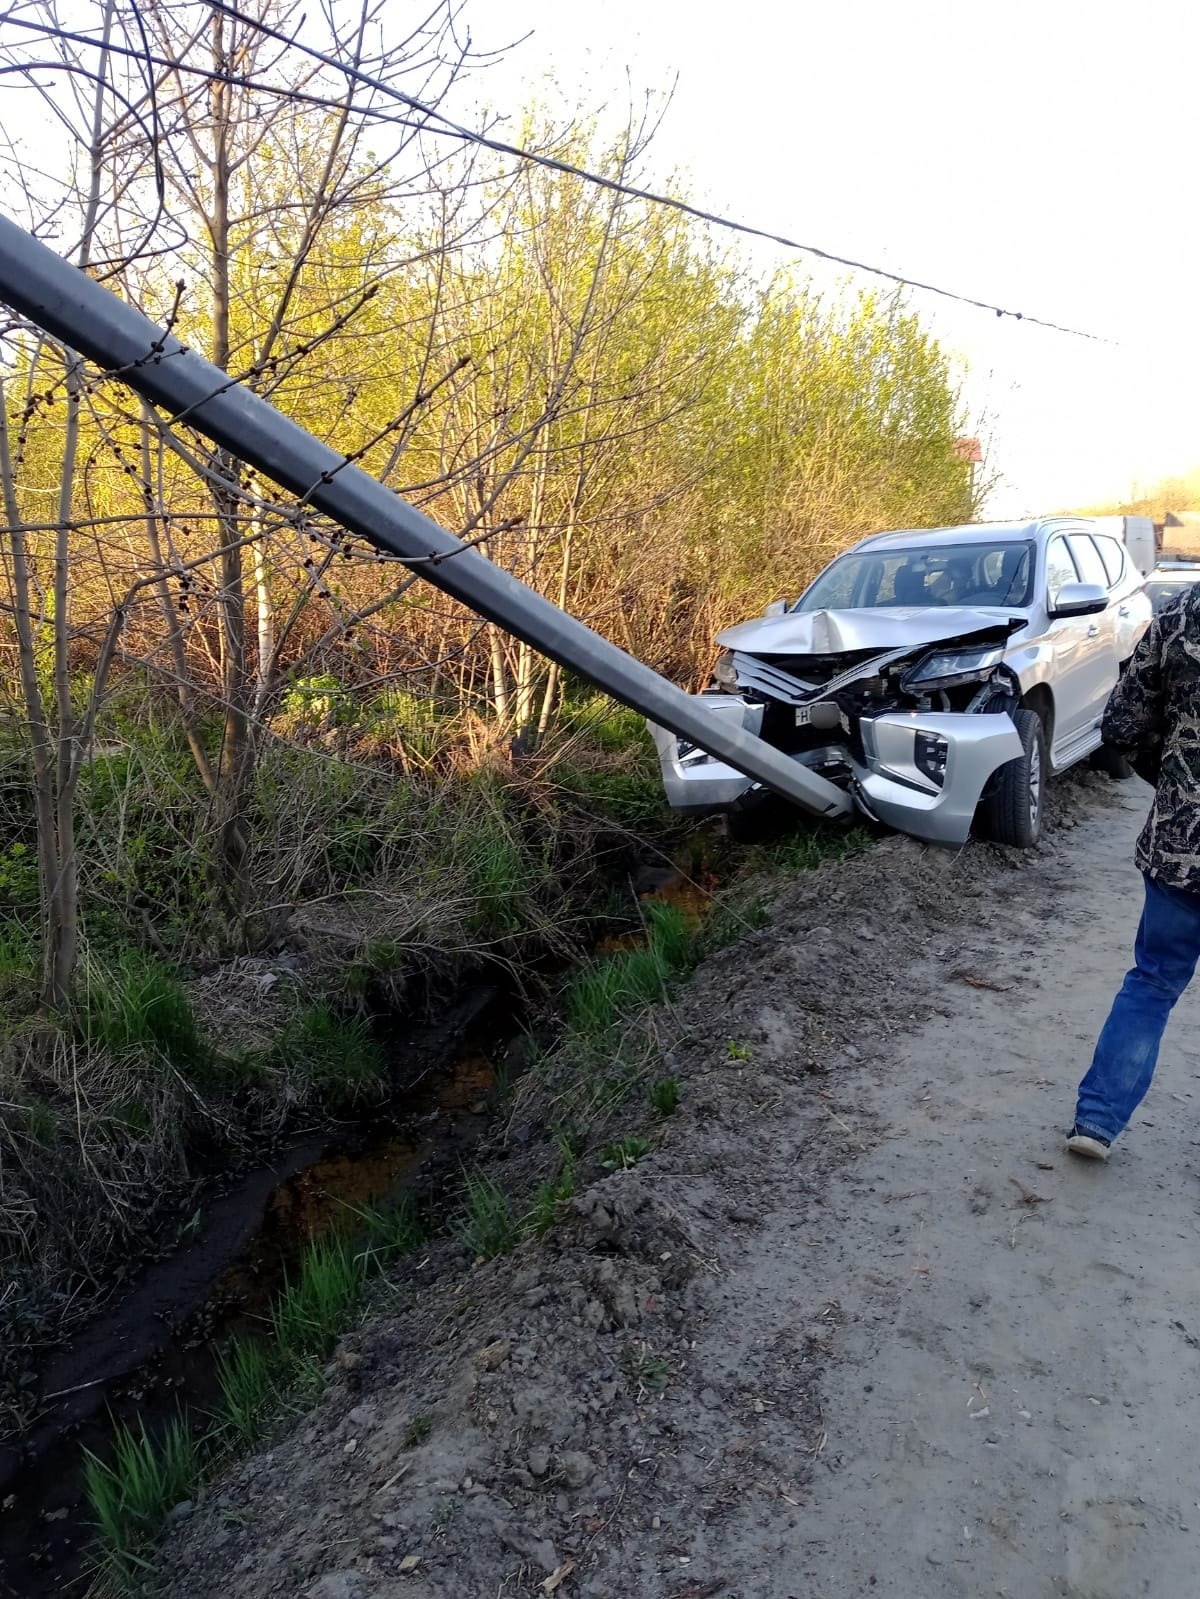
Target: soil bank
[[857, 1326]]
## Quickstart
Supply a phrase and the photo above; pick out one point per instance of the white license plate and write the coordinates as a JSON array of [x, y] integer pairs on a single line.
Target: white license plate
[[803, 715]]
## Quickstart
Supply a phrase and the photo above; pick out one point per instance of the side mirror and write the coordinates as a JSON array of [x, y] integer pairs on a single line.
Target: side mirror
[[776, 608], [1080, 599]]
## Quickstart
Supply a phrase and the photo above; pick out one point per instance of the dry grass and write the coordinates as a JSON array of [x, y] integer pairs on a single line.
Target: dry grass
[[91, 1148]]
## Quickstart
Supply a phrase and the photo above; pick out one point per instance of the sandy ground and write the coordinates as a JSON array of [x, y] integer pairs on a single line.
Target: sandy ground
[[909, 1347], [1010, 1410]]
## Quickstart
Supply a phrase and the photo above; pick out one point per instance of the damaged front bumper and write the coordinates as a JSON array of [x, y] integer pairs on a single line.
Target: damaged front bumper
[[922, 773]]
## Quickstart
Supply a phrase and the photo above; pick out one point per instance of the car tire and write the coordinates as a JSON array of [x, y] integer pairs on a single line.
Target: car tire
[[1013, 810], [1111, 762]]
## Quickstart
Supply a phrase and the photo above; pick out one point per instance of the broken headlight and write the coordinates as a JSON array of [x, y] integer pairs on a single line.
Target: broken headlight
[[945, 668], [725, 673]]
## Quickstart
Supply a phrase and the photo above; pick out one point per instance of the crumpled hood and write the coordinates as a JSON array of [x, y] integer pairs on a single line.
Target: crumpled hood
[[886, 628]]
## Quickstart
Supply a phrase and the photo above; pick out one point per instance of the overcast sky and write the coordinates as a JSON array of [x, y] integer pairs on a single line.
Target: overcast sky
[[1041, 156]]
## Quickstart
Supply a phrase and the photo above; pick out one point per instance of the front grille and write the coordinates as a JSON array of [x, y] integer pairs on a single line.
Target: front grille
[[817, 669], [773, 683]]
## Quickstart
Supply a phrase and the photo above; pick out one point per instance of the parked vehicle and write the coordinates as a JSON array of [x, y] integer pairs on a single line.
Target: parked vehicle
[[938, 675], [1169, 578], [1138, 535]]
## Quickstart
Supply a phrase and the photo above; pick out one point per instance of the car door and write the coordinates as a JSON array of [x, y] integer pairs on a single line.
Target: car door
[[1132, 603], [1080, 677], [1100, 631]]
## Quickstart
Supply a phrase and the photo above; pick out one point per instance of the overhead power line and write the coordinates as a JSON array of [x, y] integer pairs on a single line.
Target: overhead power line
[[555, 163], [451, 129]]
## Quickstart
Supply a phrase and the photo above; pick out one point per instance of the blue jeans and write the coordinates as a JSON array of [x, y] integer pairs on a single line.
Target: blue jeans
[[1165, 956]]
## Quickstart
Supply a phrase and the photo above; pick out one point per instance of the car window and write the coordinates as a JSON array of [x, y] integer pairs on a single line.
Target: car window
[[1113, 557], [1087, 559], [1060, 568]]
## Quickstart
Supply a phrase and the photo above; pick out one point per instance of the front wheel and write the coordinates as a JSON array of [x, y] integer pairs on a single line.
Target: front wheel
[[1013, 811]]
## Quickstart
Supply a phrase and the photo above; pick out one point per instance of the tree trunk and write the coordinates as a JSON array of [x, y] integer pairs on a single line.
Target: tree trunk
[[234, 765]]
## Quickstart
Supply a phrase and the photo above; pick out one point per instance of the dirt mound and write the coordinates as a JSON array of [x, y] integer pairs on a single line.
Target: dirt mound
[[602, 1413]]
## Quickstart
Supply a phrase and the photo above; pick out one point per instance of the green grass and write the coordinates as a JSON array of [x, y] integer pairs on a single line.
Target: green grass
[[36, 1120], [810, 846], [135, 1008], [733, 916], [632, 801], [417, 1431], [497, 874], [248, 1372], [648, 1371], [391, 1233], [487, 1225], [549, 1197], [664, 1095], [605, 990], [320, 1303], [624, 1152], [19, 963], [336, 1054], [131, 1494], [307, 1317]]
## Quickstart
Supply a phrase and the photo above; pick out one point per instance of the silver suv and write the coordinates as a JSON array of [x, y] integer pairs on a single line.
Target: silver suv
[[939, 675]]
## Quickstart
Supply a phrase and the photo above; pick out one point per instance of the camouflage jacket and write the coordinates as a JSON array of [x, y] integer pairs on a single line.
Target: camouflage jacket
[[1153, 717]]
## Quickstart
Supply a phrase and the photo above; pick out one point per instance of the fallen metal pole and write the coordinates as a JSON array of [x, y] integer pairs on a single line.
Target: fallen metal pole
[[89, 318]]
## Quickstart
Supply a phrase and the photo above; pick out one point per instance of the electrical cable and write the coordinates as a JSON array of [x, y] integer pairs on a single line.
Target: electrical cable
[[451, 129], [555, 163]]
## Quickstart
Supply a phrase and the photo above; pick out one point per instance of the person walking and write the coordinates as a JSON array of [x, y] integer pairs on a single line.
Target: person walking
[[1153, 718]]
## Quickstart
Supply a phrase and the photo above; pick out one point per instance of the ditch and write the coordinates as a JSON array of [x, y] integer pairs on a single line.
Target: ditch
[[155, 1355]]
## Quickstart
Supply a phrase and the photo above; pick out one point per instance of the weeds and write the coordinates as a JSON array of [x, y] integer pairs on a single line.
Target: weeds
[[247, 1369], [488, 1227], [131, 1495], [417, 1431], [624, 1152], [649, 1372], [309, 1314], [738, 1051], [136, 1009], [497, 874], [807, 847], [731, 918], [336, 1054], [604, 991], [664, 1095], [549, 1197], [391, 1233], [19, 963], [671, 937]]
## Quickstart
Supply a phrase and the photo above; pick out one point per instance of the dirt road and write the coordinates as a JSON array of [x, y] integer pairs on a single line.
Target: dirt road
[[858, 1327], [1010, 1406]]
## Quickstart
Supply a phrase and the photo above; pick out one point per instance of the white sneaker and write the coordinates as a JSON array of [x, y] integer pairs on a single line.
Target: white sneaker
[[1090, 1145]]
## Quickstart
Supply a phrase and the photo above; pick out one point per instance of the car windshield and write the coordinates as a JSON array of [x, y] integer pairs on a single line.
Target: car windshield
[[975, 574]]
